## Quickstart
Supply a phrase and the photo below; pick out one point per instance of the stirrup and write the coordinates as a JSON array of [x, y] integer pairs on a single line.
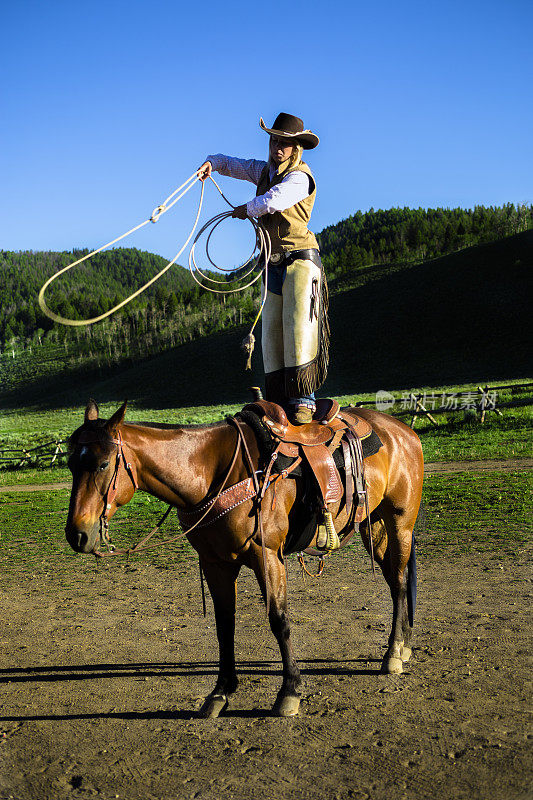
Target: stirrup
[[327, 537]]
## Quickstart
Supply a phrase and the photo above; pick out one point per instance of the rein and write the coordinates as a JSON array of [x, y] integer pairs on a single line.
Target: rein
[[111, 492]]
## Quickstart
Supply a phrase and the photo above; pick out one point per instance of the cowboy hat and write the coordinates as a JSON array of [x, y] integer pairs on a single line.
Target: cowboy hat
[[290, 127]]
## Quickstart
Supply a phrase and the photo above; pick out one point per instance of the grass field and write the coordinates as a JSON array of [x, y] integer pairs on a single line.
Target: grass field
[[472, 512], [459, 435]]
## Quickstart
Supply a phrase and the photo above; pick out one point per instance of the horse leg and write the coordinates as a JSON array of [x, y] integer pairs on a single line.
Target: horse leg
[[221, 579], [392, 550], [408, 619], [288, 699], [396, 559], [398, 649]]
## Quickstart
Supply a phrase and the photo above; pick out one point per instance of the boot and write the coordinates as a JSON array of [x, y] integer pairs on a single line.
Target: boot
[[275, 387]]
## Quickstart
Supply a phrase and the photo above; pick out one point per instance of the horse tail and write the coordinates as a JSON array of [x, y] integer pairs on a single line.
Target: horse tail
[[420, 528], [411, 583]]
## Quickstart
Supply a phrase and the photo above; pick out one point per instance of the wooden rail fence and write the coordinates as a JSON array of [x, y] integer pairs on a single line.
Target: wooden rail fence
[[482, 401], [22, 456]]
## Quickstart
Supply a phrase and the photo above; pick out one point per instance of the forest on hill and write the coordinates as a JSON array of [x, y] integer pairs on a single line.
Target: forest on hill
[[405, 234], [462, 318], [175, 310]]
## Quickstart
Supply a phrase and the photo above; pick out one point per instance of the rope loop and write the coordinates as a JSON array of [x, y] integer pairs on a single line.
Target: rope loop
[[320, 567], [156, 213], [260, 254]]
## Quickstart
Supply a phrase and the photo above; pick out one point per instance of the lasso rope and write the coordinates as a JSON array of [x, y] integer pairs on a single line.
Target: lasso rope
[[263, 250], [262, 247]]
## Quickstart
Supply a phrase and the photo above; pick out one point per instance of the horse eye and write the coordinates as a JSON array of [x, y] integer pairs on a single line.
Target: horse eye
[[103, 466]]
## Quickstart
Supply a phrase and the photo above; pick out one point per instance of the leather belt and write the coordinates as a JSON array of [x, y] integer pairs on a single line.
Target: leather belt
[[284, 259]]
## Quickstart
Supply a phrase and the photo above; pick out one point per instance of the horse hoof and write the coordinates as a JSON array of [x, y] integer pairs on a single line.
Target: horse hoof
[[392, 666], [405, 654], [288, 706], [213, 706]]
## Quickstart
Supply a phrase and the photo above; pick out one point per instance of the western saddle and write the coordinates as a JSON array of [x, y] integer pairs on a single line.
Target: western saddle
[[314, 443]]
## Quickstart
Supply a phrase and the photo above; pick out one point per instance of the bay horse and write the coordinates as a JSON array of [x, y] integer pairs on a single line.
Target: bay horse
[[185, 466]]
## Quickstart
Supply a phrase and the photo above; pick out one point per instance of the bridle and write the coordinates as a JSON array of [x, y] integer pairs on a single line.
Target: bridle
[[111, 491], [109, 495]]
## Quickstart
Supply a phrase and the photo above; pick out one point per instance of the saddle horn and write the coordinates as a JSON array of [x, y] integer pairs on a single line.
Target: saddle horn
[[257, 394]]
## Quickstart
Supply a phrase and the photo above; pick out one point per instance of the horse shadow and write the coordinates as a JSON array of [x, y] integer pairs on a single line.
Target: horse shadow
[[189, 669]]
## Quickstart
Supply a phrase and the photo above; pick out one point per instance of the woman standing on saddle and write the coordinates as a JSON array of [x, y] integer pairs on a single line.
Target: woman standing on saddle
[[295, 335]]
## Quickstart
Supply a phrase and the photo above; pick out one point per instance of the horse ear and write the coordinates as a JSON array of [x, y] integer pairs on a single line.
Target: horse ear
[[91, 412], [117, 418]]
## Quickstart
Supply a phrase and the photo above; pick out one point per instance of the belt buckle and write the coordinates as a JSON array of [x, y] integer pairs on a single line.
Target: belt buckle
[[276, 258]]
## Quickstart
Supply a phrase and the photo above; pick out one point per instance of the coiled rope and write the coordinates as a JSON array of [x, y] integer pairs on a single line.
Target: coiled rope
[[260, 252]]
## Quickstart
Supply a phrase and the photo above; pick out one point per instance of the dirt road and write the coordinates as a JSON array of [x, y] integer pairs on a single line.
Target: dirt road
[[102, 672], [431, 468]]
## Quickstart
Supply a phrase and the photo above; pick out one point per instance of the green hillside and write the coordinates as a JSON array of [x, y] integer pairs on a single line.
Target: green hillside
[[460, 318], [89, 289], [175, 309], [415, 234], [34, 351]]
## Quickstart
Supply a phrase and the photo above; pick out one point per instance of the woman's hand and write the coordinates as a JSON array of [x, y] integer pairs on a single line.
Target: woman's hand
[[240, 212], [205, 171]]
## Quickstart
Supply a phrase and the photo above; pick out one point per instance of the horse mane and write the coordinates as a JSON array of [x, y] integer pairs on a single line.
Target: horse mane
[[97, 427], [165, 426]]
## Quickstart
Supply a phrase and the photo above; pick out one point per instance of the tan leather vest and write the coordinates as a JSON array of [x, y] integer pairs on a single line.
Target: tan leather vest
[[288, 229]]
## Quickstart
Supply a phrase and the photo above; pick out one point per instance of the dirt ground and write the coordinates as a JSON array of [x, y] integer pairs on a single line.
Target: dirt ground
[[432, 467], [101, 676]]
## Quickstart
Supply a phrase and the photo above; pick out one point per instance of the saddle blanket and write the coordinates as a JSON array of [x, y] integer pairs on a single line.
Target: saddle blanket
[[301, 535]]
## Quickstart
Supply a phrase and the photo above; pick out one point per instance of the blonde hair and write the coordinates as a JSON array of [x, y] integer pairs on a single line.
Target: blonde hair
[[296, 155], [294, 158]]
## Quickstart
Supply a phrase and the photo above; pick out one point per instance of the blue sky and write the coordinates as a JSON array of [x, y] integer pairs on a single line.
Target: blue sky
[[109, 106]]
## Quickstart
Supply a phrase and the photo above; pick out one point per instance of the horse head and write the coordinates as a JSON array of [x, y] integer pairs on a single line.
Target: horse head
[[99, 483]]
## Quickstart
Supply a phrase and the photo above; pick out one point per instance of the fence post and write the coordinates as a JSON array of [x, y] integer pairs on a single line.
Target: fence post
[[483, 403], [57, 450], [421, 408]]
